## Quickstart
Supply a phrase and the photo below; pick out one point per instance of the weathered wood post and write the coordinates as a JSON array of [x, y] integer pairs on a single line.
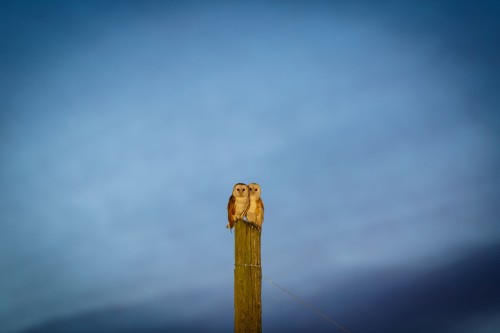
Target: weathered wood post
[[247, 279]]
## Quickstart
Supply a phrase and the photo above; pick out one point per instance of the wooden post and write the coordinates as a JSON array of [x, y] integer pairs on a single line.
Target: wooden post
[[247, 279]]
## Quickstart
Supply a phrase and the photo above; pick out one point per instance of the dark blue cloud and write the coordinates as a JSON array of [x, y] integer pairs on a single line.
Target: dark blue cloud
[[445, 299]]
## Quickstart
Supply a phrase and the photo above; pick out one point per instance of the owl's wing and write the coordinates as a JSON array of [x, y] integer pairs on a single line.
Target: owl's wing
[[231, 210], [260, 210]]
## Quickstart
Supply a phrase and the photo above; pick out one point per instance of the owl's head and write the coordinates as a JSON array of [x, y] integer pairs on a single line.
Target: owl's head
[[254, 189], [240, 190]]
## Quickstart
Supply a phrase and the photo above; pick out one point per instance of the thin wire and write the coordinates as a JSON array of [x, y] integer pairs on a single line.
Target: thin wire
[[324, 316]]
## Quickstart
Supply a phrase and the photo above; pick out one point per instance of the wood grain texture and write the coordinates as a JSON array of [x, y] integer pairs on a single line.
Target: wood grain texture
[[247, 279]]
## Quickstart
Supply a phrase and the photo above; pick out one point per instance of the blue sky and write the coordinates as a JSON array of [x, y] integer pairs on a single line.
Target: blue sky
[[373, 130]]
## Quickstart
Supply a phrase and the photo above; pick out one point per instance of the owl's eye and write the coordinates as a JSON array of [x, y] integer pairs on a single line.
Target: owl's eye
[[243, 190]]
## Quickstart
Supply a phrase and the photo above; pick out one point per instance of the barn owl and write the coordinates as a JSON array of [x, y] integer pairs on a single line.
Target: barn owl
[[238, 204], [255, 213]]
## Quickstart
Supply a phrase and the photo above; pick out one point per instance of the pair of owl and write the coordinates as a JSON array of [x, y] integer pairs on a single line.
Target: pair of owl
[[245, 202]]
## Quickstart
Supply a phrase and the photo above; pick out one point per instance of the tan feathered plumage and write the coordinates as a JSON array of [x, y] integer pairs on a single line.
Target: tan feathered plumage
[[255, 212], [238, 204]]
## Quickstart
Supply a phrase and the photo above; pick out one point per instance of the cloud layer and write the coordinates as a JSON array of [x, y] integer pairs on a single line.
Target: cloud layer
[[372, 130]]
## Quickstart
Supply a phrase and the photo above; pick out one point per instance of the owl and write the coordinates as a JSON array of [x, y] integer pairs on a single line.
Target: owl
[[238, 204], [255, 213]]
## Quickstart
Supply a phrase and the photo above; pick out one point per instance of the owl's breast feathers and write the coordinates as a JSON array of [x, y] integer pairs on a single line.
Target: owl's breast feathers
[[236, 209], [241, 206]]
